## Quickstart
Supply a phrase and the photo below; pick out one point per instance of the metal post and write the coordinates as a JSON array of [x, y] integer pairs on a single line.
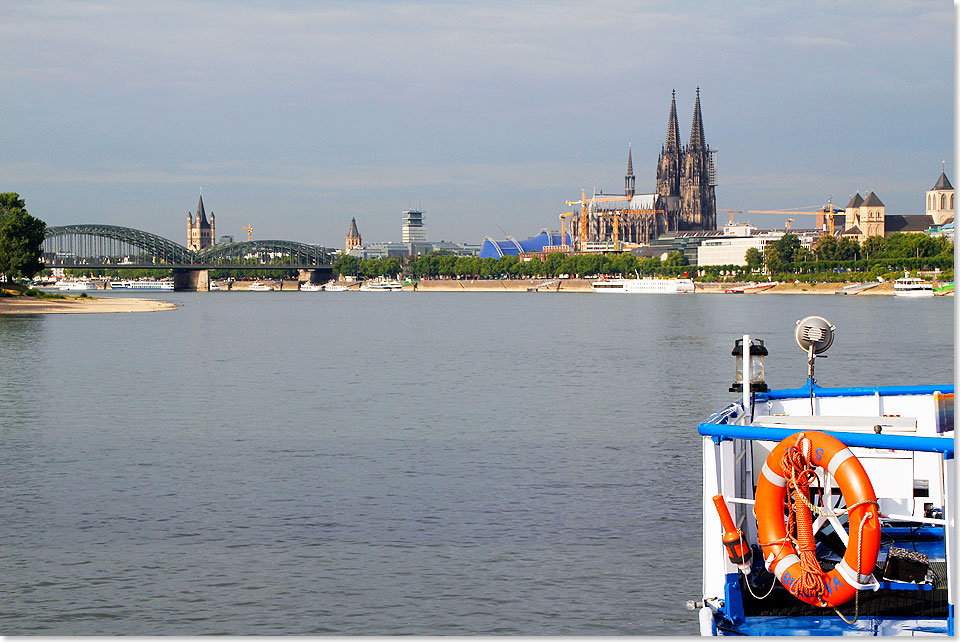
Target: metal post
[[746, 377]]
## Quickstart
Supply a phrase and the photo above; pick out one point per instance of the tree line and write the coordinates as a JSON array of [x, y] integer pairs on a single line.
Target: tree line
[[831, 259]]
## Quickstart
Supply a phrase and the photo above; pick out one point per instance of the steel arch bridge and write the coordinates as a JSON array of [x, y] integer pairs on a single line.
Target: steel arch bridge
[[267, 252], [113, 245]]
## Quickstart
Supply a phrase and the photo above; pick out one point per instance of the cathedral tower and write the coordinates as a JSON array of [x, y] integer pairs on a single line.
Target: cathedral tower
[[698, 205], [668, 166]]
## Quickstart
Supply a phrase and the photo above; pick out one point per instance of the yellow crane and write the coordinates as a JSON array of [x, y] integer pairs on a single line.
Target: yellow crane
[[563, 227], [584, 213], [249, 232], [732, 212], [825, 213], [616, 222]]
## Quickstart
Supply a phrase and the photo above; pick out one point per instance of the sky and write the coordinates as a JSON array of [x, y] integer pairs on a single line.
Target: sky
[[293, 117]]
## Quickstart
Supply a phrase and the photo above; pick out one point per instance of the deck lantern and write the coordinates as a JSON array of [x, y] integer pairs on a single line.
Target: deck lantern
[[756, 352]]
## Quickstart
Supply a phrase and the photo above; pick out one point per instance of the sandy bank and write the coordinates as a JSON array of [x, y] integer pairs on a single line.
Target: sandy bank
[[89, 305]]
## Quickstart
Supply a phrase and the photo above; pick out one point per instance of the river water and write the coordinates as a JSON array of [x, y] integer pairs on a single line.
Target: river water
[[364, 463]]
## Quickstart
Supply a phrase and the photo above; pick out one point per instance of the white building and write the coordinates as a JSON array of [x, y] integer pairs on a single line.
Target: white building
[[413, 229]]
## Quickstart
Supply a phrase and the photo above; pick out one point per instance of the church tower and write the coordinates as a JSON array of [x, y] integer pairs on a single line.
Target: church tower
[[940, 200], [698, 209], [200, 234], [629, 181], [353, 235], [668, 166]]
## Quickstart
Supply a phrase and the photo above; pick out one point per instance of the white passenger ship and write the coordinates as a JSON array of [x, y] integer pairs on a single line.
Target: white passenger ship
[[646, 285], [827, 511], [76, 285], [912, 286], [381, 285], [145, 284]]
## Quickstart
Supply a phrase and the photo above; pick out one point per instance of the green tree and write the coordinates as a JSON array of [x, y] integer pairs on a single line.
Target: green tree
[[826, 248], [754, 258], [674, 259], [21, 239], [847, 250], [873, 247], [346, 265]]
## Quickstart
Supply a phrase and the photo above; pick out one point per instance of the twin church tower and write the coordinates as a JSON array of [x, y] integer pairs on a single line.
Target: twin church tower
[[686, 179]]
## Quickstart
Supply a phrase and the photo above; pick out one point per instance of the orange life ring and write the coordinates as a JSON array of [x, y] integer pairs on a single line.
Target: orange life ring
[[780, 556]]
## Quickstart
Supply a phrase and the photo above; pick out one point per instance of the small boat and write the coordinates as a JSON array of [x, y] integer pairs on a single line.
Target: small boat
[[753, 287], [333, 286], [381, 285], [646, 285], [259, 286], [912, 286], [311, 287], [827, 511], [76, 285]]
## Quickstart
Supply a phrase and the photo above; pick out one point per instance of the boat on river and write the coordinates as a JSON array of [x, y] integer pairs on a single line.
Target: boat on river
[[143, 284], [827, 511], [646, 285], [311, 287], [333, 286], [76, 285], [912, 286], [259, 286], [381, 285]]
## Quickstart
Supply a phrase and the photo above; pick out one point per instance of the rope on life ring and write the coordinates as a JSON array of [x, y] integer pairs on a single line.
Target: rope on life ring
[[789, 546]]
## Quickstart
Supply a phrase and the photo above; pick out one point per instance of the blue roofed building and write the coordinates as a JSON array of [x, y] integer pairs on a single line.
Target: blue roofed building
[[492, 249]]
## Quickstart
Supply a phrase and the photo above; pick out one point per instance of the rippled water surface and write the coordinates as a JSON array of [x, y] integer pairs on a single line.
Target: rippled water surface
[[363, 463]]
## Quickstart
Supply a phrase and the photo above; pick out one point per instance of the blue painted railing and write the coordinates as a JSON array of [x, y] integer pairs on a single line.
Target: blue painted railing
[[942, 445], [883, 391]]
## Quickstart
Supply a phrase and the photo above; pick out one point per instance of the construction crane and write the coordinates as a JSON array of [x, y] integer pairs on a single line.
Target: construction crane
[[584, 214], [616, 222], [563, 227], [732, 212], [824, 214], [249, 232]]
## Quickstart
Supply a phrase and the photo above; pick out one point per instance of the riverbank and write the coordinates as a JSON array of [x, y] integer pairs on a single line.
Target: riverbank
[[583, 285], [80, 305]]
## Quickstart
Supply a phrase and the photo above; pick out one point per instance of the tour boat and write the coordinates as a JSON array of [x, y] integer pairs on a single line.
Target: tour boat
[[146, 284], [311, 287], [333, 286], [75, 285], [381, 285], [912, 286], [258, 286], [827, 511], [646, 285]]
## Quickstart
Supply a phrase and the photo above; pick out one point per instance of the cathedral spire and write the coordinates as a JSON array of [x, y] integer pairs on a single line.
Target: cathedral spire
[[673, 127], [697, 141], [629, 181]]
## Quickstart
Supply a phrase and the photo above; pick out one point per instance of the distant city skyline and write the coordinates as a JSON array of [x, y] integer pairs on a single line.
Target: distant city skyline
[[485, 116]]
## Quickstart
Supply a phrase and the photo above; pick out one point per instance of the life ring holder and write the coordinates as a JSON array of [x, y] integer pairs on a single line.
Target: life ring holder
[[855, 571]]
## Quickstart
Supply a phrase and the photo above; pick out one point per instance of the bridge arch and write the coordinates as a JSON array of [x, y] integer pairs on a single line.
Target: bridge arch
[[110, 242], [265, 250]]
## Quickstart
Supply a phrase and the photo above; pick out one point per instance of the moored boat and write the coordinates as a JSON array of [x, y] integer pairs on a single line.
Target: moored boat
[[827, 511], [76, 285], [912, 286], [381, 285], [259, 286], [646, 285], [311, 287], [142, 284], [333, 286]]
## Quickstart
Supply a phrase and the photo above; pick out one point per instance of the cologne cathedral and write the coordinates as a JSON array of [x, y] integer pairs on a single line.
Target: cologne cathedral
[[685, 199]]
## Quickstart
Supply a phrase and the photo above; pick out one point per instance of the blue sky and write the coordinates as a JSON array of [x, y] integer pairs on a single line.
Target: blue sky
[[295, 117]]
